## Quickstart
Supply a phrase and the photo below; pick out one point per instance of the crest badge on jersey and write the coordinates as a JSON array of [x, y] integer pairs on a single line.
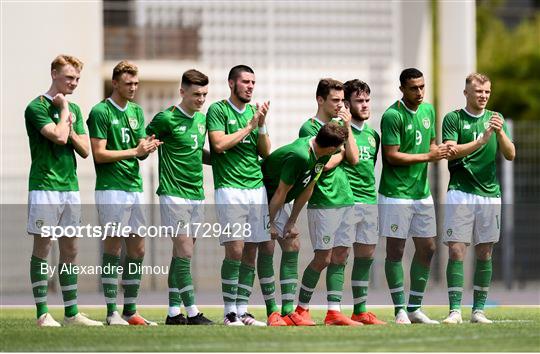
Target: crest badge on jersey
[[319, 167], [426, 123], [371, 141], [486, 125], [202, 128], [133, 122]]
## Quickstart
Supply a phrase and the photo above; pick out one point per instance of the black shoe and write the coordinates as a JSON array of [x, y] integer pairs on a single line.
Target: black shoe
[[176, 320], [199, 319]]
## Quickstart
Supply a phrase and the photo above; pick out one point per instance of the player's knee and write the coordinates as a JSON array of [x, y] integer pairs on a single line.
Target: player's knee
[[136, 252], [394, 254], [267, 248]]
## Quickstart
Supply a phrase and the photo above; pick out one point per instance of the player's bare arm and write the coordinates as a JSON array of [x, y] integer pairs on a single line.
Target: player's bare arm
[[263, 140], [335, 160], [102, 155], [351, 149], [276, 203], [505, 144], [222, 142], [59, 133], [395, 157], [457, 151], [290, 230]]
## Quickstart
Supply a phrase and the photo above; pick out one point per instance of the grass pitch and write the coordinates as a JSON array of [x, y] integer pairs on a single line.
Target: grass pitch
[[515, 329]]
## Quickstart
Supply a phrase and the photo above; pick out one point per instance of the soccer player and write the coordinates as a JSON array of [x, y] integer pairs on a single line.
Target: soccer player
[[182, 129], [362, 179], [238, 136], [55, 131], [118, 139], [473, 202], [329, 210], [290, 173], [405, 202]]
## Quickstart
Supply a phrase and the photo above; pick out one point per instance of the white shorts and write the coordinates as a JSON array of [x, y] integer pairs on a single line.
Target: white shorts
[[244, 208], [470, 216], [366, 223], [121, 208], [282, 217], [404, 218], [53, 208], [180, 214], [329, 228]]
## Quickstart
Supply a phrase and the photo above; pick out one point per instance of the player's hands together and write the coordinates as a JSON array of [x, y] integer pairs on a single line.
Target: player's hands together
[[438, 152], [345, 116], [452, 149], [262, 110], [273, 231], [148, 145], [484, 138], [496, 123]]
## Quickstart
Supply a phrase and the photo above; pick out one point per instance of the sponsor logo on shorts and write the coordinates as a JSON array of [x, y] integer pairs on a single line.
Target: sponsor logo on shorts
[[326, 239], [39, 223], [133, 122], [449, 232], [426, 123], [371, 141], [394, 227], [180, 224]]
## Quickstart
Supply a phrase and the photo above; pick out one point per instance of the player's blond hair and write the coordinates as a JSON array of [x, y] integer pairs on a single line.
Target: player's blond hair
[[480, 78], [124, 67], [62, 60]]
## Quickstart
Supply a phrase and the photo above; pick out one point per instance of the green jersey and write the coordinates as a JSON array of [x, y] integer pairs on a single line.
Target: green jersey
[[54, 167], [295, 164], [412, 131], [123, 128], [332, 189], [475, 173], [180, 155], [238, 167], [362, 175]]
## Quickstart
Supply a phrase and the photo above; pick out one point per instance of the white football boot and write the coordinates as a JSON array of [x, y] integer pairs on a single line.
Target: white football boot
[[402, 318], [478, 316], [419, 317], [454, 317], [46, 320], [80, 320]]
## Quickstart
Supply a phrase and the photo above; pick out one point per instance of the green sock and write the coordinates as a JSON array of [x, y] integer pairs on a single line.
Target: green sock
[[38, 277], [131, 281], [109, 280], [394, 277], [174, 295], [229, 283], [335, 276], [419, 278], [265, 271], [309, 282], [288, 278], [482, 280], [68, 284], [360, 283], [246, 277], [184, 281], [454, 280]]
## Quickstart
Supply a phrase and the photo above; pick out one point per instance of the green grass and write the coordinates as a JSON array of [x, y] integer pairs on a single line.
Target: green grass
[[515, 329]]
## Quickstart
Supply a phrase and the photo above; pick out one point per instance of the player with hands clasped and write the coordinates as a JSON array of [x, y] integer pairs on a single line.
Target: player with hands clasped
[[474, 134]]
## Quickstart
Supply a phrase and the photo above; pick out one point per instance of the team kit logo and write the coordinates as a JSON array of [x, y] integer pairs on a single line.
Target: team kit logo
[[319, 167], [202, 128], [394, 227], [133, 122], [449, 232], [371, 141], [426, 123]]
